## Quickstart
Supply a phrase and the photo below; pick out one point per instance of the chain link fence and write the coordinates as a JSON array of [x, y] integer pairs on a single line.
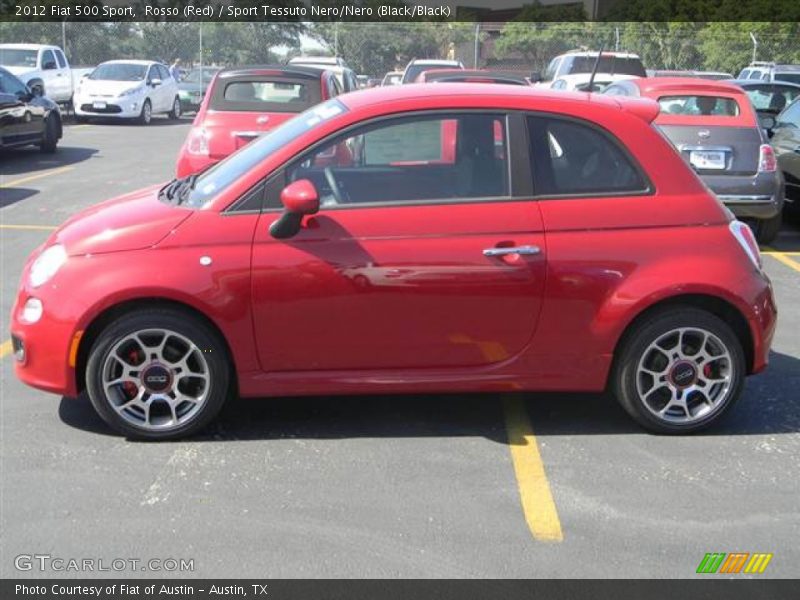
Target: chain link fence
[[375, 48]]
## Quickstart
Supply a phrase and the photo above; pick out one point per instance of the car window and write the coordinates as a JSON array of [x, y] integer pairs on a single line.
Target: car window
[[790, 77], [418, 158], [9, 84], [62, 62], [550, 73], [615, 90], [224, 173], [696, 105], [744, 74], [16, 57], [48, 57], [771, 97], [264, 93], [163, 72], [791, 116], [568, 157], [755, 75], [119, 72], [607, 64]]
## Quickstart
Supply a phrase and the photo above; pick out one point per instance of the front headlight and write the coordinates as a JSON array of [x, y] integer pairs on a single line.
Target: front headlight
[[46, 265], [131, 92]]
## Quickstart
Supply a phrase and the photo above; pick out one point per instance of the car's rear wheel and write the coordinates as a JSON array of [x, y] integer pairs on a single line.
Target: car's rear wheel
[[175, 113], [767, 230], [158, 374], [679, 370], [49, 135], [146, 115]]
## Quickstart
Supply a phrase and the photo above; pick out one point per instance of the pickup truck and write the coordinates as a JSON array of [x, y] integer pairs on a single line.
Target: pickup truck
[[40, 66]]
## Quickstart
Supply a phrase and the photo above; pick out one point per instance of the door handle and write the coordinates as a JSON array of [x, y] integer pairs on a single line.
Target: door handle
[[528, 250]]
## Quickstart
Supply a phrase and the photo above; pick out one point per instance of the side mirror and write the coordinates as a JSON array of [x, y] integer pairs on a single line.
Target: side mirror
[[155, 82], [299, 198], [49, 65], [536, 77]]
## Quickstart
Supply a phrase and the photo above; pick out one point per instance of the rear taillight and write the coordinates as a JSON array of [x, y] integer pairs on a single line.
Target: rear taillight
[[767, 163], [744, 235], [197, 143]]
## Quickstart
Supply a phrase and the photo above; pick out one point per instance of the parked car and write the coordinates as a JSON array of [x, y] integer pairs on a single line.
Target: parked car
[[26, 117], [244, 103], [128, 89], [336, 65], [244, 278], [417, 66], [42, 68], [786, 141], [362, 81], [768, 98], [770, 71], [715, 128], [471, 76], [192, 88], [392, 78], [571, 70]]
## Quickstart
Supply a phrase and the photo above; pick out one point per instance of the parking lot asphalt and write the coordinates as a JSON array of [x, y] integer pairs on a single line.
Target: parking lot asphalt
[[529, 485]]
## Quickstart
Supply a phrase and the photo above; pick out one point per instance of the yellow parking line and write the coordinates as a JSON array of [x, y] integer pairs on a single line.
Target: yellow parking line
[[32, 227], [537, 501], [16, 182], [5, 348], [782, 257]]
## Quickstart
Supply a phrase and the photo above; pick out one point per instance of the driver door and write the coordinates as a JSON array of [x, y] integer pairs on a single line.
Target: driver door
[[423, 254]]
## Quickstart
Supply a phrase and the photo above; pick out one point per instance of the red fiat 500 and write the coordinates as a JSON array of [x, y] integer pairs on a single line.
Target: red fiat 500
[[243, 103], [351, 251]]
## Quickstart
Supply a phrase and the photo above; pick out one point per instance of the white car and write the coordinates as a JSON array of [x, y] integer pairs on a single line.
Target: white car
[[580, 82], [40, 66], [127, 89], [415, 67]]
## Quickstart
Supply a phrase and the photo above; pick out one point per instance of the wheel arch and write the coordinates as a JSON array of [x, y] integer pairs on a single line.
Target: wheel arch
[[715, 305], [116, 311]]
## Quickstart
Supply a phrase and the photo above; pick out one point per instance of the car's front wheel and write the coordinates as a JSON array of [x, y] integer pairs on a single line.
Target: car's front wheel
[[158, 374], [49, 135], [679, 370], [767, 230], [176, 112], [146, 114]]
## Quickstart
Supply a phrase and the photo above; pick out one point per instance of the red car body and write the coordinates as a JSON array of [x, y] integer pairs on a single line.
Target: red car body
[[221, 127], [398, 299]]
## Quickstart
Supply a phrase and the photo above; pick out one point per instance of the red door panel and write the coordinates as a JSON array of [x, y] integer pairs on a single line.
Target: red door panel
[[398, 287]]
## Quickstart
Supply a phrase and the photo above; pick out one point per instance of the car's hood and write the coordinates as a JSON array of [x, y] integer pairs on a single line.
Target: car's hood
[[131, 222], [100, 87], [19, 71]]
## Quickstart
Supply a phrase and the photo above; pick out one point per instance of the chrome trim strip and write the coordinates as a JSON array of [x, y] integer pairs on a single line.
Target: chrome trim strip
[[744, 198]]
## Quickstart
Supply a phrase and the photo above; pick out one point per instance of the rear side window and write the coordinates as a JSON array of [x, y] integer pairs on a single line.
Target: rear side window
[[572, 158], [699, 106], [266, 95]]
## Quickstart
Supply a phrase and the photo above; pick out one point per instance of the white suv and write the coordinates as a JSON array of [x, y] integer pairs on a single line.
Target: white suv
[[769, 71], [127, 89], [572, 70]]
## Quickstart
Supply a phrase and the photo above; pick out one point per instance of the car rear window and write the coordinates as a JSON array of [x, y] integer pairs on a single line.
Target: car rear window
[[266, 94], [608, 64], [699, 105]]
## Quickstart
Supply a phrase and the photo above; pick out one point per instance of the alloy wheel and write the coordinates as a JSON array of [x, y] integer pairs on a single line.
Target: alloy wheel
[[685, 375]]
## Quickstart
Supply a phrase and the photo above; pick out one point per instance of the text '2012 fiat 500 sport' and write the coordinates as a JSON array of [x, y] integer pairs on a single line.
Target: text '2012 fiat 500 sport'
[[456, 237]]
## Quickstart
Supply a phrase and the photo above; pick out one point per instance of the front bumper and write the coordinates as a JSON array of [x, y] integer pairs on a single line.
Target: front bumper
[[123, 107]]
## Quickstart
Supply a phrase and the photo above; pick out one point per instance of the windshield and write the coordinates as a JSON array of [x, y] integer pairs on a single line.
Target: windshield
[[223, 174], [608, 64], [15, 57], [413, 71], [194, 76], [119, 72]]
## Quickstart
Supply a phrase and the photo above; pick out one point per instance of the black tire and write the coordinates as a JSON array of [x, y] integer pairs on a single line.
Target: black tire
[[50, 135], [146, 114], [638, 339], [177, 110], [207, 341], [767, 230]]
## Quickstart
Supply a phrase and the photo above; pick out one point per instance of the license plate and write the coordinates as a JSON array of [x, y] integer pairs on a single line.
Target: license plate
[[99, 105], [707, 159]]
